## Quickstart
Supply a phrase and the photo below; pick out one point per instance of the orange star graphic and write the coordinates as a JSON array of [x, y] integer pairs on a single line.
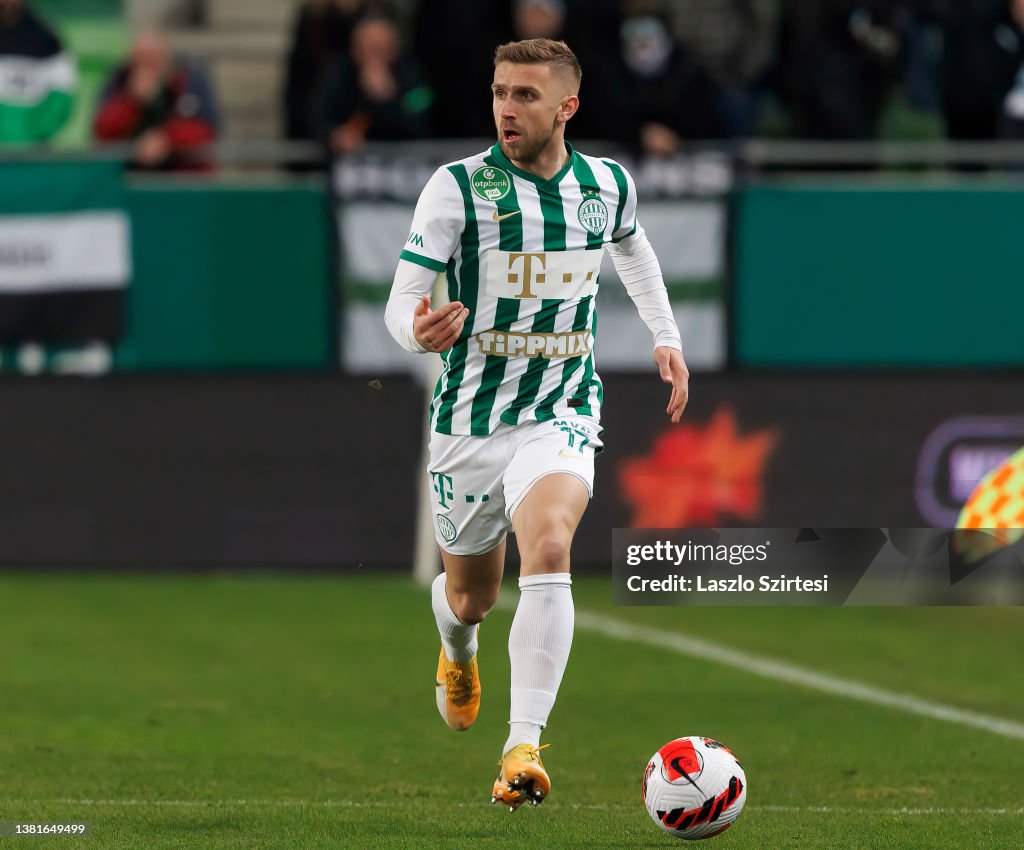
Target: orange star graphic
[[695, 477]]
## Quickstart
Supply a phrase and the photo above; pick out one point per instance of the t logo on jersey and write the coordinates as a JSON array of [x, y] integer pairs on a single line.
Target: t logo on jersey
[[528, 276], [560, 275], [415, 239], [444, 488]]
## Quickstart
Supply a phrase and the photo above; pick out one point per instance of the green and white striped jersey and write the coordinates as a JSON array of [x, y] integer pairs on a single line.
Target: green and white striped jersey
[[523, 254]]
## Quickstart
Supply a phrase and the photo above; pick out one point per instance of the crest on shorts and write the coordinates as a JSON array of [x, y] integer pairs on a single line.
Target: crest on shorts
[[593, 213], [490, 183], [446, 528]]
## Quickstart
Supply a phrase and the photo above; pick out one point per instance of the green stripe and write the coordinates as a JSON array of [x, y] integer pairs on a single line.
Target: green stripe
[[426, 262], [623, 186], [20, 123], [554, 219], [510, 238], [588, 186], [510, 229], [544, 320], [456, 364], [529, 383], [453, 281], [545, 410], [438, 385], [588, 375]]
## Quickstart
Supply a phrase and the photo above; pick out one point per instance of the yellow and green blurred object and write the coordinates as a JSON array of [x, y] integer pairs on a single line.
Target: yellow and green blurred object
[[997, 507]]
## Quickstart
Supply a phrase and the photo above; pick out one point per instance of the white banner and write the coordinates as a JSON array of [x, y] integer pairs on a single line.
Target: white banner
[[689, 237], [56, 253]]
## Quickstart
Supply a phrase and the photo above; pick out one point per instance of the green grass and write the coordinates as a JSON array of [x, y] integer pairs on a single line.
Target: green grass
[[266, 712]]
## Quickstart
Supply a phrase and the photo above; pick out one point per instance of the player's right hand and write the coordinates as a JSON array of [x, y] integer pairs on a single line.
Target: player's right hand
[[437, 330]]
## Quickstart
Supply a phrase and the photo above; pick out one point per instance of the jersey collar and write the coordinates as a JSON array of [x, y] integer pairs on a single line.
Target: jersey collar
[[540, 182]]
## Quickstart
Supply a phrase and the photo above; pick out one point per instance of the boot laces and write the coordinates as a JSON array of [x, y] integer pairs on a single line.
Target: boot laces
[[458, 684], [526, 752]]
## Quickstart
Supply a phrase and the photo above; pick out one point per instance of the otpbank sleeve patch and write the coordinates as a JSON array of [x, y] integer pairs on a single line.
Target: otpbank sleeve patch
[[437, 223]]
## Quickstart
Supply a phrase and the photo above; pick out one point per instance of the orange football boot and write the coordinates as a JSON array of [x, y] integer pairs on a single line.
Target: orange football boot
[[458, 692], [522, 777]]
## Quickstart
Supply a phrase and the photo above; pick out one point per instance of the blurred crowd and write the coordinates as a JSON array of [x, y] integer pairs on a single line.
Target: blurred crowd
[[657, 73]]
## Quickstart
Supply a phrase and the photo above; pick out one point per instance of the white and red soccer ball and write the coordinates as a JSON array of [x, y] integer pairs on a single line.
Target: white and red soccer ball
[[694, 787]]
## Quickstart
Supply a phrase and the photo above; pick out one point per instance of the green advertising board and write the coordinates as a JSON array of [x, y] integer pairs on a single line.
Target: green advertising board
[[204, 274], [911, 274], [229, 277]]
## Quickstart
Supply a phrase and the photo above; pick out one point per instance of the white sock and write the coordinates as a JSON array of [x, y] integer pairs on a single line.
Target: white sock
[[538, 647], [458, 639]]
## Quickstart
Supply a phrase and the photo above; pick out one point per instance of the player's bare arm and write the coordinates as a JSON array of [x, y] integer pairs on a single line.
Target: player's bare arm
[[438, 330], [672, 368]]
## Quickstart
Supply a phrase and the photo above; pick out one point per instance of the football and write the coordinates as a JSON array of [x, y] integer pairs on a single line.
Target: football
[[694, 787]]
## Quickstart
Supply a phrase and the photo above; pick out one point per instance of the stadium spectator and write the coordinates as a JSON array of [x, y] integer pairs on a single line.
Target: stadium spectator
[[591, 28], [839, 63], [322, 33], [983, 51], [1013, 108], [674, 99], [162, 104], [39, 77], [733, 41], [454, 43], [377, 93]]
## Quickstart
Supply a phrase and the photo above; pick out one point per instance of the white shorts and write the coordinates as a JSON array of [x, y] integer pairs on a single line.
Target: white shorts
[[478, 482]]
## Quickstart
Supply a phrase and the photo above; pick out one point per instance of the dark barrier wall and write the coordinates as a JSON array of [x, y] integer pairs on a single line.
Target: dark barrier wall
[[238, 472], [792, 451], [833, 275], [322, 472]]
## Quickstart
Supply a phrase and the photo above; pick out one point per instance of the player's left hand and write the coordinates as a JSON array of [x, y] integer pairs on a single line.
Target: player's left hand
[[673, 371]]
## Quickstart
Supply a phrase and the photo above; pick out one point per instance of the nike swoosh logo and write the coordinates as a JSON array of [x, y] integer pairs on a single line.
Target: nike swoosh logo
[[567, 453], [497, 217]]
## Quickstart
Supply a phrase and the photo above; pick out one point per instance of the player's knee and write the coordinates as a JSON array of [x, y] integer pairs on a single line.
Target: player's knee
[[472, 608], [549, 553]]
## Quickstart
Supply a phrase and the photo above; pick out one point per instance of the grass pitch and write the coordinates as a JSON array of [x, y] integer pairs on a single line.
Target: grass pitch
[[269, 712]]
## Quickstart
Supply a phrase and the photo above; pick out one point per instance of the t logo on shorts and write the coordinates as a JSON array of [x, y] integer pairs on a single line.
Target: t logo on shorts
[[444, 488]]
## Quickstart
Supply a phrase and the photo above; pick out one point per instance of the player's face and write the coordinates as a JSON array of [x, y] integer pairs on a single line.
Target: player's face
[[529, 104]]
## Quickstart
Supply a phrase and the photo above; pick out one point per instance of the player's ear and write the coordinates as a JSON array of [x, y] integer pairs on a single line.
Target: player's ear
[[567, 108]]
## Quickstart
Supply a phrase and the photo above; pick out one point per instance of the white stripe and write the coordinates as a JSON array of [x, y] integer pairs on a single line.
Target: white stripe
[[483, 319], [445, 374], [533, 240], [572, 196], [624, 806], [27, 80], [576, 382], [553, 374], [782, 671], [46, 253], [532, 215]]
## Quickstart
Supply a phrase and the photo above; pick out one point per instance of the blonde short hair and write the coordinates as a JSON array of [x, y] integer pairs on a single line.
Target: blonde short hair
[[541, 51]]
